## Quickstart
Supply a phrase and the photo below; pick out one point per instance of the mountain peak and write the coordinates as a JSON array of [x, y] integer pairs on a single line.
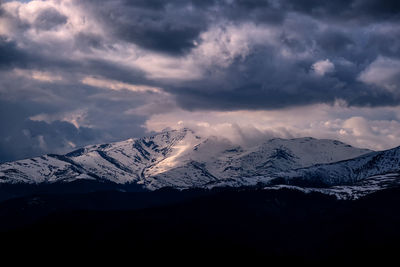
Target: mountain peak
[[179, 158]]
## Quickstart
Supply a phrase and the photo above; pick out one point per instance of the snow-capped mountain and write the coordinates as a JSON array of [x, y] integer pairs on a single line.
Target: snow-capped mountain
[[347, 179], [347, 171], [182, 159]]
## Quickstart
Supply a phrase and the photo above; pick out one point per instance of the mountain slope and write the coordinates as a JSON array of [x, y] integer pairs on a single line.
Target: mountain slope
[[180, 159], [347, 171], [119, 162]]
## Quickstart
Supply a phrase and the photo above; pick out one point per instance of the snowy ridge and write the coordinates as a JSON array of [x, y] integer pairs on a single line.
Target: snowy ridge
[[119, 162], [182, 159], [179, 158], [218, 162], [353, 191], [348, 171]]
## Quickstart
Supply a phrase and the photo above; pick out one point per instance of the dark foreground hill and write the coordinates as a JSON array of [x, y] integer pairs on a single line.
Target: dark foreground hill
[[281, 226]]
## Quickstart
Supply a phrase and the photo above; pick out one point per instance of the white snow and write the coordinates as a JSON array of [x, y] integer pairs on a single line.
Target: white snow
[[182, 159], [355, 191]]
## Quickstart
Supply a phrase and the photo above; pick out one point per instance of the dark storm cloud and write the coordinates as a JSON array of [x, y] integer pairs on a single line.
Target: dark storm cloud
[[11, 56], [9, 53], [49, 18], [23, 136], [363, 11], [277, 83], [386, 43], [267, 80], [167, 39], [334, 41], [172, 26], [161, 26]]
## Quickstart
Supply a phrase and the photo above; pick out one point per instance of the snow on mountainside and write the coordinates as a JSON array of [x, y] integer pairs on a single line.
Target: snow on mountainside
[[118, 162], [350, 191], [181, 159], [347, 171]]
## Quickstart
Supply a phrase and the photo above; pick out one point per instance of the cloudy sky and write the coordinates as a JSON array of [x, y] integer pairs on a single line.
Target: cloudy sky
[[78, 72]]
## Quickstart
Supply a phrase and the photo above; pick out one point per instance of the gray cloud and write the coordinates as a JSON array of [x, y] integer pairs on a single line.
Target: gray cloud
[[49, 122], [39, 117], [267, 80], [10, 55], [361, 11], [49, 18], [162, 26]]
